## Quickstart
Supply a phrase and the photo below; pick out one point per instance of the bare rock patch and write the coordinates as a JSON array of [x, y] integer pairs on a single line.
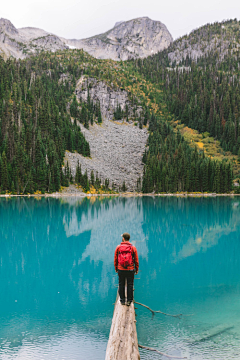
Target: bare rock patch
[[116, 153]]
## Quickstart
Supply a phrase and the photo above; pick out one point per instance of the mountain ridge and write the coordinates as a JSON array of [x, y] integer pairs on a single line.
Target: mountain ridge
[[200, 87], [139, 37], [15, 43], [134, 38], [46, 103]]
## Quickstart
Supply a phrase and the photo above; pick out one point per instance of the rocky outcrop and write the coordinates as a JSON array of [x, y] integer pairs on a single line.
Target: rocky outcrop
[[216, 39], [135, 38], [30, 33], [20, 43], [108, 97], [10, 40], [47, 43], [116, 147], [185, 48], [139, 37]]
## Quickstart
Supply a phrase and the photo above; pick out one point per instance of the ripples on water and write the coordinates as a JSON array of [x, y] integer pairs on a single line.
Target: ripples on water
[[58, 281]]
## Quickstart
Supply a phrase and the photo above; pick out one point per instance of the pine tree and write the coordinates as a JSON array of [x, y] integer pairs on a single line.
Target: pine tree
[[4, 173], [217, 184], [99, 116], [124, 188], [92, 181]]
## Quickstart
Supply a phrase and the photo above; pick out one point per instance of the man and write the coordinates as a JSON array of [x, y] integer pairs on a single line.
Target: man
[[126, 263]]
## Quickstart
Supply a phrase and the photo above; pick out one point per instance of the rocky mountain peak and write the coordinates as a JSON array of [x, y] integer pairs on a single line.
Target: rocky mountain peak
[[118, 23], [20, 43], [134, 38], [32, 33], [7, 27], [220, 38]]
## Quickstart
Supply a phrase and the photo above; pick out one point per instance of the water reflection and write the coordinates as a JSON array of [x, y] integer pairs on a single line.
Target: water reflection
[[58, 281], [196, 271], [107, 220]]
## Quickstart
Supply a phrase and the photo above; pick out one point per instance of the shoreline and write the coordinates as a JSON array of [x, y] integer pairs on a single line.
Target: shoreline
[[126, 194]]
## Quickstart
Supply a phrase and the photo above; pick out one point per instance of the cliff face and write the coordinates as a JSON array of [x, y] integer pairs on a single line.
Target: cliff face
[[107, 97], [136, 38]]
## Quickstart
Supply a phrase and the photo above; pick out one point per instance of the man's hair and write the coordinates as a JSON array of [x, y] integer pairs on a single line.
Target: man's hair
[[126, 236]]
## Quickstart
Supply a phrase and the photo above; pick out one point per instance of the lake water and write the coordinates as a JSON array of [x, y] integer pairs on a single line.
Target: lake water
[[58, 283]]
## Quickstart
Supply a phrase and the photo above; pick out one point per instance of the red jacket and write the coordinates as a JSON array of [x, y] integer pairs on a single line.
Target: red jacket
[[135, 258]]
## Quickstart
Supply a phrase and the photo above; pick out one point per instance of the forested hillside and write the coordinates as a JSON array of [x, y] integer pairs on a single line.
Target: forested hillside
[[202, 92], [172, 165], [39, 115], [35, 127]]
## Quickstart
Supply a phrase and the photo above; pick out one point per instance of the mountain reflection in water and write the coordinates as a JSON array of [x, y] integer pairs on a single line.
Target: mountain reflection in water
[[58, 281]]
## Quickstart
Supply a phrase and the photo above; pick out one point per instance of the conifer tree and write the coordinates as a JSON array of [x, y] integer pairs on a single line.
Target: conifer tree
[[4, 173], [99, 116]]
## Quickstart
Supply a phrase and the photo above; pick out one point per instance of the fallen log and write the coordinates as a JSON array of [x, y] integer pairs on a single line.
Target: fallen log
[[160, 353], [123, 342], [211, 333]]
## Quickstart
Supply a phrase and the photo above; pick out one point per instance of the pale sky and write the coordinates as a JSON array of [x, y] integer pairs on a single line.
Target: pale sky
[[81, 19]]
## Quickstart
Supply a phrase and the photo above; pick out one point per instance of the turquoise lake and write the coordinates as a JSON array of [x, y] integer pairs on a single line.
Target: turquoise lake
[[58, 283]]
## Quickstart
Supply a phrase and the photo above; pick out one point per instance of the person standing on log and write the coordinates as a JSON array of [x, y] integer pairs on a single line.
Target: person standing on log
[[126, 264]]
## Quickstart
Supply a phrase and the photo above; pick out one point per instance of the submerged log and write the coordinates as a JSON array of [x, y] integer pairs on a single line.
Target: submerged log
[[123, 342], [211, 333]]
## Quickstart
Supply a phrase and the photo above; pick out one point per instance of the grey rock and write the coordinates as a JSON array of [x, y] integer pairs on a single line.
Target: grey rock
[[118, 23], [107, 97], [201, 42], [20, 43], [72, 190], [110, 159], [137, 38], [116, 147]]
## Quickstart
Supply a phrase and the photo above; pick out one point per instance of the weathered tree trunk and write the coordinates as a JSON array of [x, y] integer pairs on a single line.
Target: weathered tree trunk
[[123, 342]]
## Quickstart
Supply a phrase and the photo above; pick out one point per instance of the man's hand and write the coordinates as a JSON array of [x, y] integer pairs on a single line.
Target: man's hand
[[136, 272], [116, 270]]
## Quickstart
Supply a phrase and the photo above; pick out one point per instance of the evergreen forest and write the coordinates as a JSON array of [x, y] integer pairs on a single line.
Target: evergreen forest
[[35, 126], [40, 115]]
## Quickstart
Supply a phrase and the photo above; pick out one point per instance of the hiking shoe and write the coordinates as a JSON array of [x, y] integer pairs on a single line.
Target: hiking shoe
[[122, 302], [128, 303]]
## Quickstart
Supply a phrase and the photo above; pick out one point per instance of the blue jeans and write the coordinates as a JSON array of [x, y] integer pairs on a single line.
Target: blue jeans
[[129, 275]]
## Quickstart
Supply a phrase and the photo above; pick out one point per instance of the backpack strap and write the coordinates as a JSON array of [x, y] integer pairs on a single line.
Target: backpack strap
[[133, 254], [119, 252]]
